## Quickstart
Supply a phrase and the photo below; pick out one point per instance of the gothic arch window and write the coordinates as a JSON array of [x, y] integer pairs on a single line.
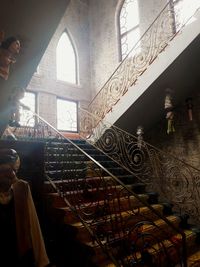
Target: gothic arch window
[[128, 21], [183, 11], [66, 59]]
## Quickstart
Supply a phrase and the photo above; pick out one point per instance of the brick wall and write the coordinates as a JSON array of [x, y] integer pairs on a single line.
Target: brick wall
[[177, 182], [45, 83], [94, 31], [185, 142]]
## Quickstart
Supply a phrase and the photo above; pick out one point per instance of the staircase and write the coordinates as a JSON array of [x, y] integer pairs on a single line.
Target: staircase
[[98, 213], [154, 63], [117, 218]]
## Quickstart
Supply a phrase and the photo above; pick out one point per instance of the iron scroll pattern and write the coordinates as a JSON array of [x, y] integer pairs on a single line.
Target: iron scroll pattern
[[175, 180], [128, 229], [178, 182], [164, 28]]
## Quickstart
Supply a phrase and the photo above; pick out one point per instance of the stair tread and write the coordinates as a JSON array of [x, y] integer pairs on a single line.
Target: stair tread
[[166, 242], [99, 189], [85, 236], [102, 202], [158, 222], [155, 248], [77, 180], [194, 259], [105, 177], [126, 214], [130, 216]]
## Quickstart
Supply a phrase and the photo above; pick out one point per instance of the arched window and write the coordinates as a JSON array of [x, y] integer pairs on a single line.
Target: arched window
[[66, 60], [26, 118], [129, 26], [183, 11]]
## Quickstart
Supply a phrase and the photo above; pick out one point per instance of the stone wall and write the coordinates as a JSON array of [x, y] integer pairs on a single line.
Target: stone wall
[[184, 143], [177, 181]]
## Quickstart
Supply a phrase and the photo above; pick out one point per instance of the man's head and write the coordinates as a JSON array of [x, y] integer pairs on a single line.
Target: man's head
[[9, 165], [7, 178], [10, 158], [12, 44]]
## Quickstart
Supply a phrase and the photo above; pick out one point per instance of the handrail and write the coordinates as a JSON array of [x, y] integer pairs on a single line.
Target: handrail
[[60, 150], [158, 35], [173, 178], [107, 125], [166, 171], [127, 56]]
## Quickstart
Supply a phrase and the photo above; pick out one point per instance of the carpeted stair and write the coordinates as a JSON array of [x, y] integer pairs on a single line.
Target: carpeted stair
[[76, 179]]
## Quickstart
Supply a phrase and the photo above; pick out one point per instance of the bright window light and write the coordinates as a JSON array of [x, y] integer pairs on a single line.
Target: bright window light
[[185, 9], [129, 26], [66, 60], [66, 115], [130, 14], [26, 118]]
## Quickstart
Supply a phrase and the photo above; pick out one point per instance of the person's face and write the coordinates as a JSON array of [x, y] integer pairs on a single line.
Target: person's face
[[14, 47], [6, 180]]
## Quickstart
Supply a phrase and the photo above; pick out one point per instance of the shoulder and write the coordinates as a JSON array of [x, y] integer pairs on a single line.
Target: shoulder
[[21, 184]]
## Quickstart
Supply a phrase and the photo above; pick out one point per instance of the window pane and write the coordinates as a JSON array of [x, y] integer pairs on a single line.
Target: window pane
[[66, 60], [184, 9], [129, 26], [129, 40], [66, 115], [26, 118], [129, 16]]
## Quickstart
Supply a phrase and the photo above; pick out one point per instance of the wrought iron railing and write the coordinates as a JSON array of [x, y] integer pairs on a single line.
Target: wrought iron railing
[[174, 179], [128, 229], [164, 28]]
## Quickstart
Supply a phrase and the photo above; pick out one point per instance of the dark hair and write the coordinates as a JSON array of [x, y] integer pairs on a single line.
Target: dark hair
[[8, 156], [5, 44]]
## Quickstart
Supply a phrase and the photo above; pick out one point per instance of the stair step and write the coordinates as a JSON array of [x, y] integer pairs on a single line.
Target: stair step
[[142, 213], [76, 183], [155, 249], [87, 193], [194, 260], [85, 236], [105, 206], [70, 158]]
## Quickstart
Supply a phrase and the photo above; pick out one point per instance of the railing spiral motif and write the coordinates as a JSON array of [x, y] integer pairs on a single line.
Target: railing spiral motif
[[167, 24], [175, 180], [128, 229]]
